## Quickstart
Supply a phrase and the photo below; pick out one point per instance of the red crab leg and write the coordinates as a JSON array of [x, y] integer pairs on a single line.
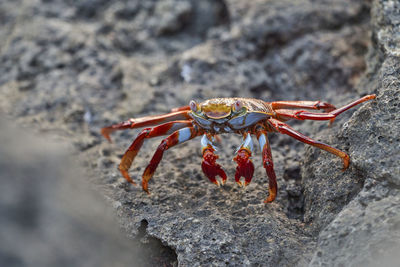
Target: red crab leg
[[302, 104], [209, 166], [177, 137], [245, 166], [130, 154], [145, 121], [286, 129], [285, 114], [268, 164]]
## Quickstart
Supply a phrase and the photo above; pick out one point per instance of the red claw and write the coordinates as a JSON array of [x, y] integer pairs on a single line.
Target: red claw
[[210, 168], [245, 167]]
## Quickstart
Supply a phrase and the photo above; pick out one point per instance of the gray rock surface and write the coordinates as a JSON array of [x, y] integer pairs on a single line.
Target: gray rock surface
[[367, 231], [69, 68]]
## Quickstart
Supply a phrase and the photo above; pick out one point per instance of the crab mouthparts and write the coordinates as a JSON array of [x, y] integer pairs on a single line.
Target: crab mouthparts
[[217, 114]]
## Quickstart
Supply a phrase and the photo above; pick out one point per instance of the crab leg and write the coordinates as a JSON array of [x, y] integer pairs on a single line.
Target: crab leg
[[245, 166], [145, 121], [209, 166], [303, 104], [285, 114], [177, 137], [286, 129], [130, 154], [268, 164]]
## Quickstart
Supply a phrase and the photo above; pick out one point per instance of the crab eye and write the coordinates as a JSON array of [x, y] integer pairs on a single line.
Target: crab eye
[[238, 105], [193, 105]]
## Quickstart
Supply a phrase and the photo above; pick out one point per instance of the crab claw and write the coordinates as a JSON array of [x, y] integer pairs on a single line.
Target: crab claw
[[210, 168], [245, 167]]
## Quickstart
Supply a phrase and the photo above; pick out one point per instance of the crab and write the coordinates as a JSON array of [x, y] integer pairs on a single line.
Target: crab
[[244, 116]]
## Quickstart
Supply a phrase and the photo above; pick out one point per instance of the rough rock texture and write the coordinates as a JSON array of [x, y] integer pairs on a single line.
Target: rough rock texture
[[367, 231], [72, 67]]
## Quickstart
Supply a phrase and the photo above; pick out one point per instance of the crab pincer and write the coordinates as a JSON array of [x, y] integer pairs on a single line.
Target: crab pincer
[[212, 169], [245, 167]]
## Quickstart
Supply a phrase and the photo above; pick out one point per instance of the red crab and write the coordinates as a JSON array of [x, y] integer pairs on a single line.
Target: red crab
[[244, 116]]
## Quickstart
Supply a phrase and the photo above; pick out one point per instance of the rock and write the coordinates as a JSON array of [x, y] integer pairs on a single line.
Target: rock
[[50, 217], [366, 232]]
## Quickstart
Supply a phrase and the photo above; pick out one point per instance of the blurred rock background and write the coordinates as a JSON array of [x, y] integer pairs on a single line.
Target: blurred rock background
[[68, 68], [49, 216]]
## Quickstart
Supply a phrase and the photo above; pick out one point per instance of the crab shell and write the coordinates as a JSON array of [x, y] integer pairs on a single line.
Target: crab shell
[[227, 115]]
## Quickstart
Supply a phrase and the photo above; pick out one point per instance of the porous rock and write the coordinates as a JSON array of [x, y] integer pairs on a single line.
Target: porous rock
[[366, 232]]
